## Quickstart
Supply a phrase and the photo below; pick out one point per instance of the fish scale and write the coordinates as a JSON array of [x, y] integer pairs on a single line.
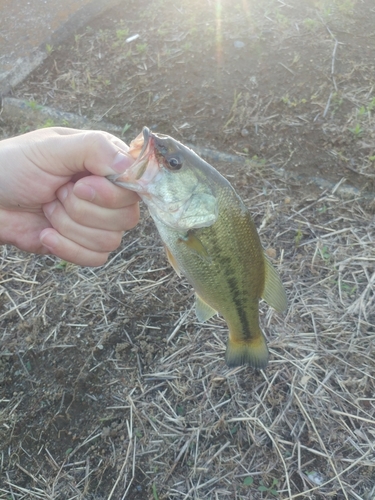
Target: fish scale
[[210, 238]]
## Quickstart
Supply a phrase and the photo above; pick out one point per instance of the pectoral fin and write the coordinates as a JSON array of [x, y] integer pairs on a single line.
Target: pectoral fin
[[194, 244], [274, 293], [203, 311]]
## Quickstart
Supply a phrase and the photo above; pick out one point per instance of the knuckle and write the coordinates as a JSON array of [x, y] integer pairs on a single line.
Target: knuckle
[[99, 259], [95, 140], [78, 211], [58, 218], [112, 241], [85, 257]]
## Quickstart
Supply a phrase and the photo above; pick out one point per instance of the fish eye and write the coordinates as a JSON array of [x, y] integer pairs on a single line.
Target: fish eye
[[174, 163]]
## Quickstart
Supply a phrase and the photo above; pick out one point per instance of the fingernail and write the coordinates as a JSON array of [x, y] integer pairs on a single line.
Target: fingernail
[[84, 192], [49, 208], [121, 162], [49, 240], [63, 193]]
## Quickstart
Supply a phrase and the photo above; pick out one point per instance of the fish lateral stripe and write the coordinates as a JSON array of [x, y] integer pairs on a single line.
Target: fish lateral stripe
[[245, 333]]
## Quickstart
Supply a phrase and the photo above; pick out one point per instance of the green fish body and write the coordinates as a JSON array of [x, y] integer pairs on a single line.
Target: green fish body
[[211, 239]]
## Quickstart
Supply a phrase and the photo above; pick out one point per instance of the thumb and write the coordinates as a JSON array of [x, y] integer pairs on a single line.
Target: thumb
[[97, 152]]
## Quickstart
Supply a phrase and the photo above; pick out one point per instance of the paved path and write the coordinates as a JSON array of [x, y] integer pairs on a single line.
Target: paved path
[[28, 26]]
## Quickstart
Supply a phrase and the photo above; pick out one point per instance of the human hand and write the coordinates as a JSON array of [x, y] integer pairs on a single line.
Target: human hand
[[54, 197]]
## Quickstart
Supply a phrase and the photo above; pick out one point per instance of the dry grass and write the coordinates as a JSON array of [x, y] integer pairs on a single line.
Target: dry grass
[[112, 389]]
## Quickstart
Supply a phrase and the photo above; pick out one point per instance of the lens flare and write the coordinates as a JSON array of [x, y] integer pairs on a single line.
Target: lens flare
[[219, 34]]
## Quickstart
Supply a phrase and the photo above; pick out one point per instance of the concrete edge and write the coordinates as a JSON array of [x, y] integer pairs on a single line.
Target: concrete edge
[[17, 110], [24, 66]]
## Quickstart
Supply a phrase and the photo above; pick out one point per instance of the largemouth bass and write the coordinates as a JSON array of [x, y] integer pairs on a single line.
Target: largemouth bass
[[209, 237]]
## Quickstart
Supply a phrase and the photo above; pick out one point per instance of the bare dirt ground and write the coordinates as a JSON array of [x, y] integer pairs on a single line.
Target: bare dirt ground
[[110, 388]]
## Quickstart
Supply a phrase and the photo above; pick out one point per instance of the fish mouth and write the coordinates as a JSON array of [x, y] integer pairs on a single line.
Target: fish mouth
[[142, 171], [146, 140]]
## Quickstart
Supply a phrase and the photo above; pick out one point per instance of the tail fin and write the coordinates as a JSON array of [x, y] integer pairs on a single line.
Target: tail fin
[[253, 352]]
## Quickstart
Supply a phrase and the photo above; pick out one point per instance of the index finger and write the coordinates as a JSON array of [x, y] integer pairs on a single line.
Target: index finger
[[102, 192], [69, 152]]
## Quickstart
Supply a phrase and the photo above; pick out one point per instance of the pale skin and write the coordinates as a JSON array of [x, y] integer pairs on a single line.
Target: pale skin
[[55, 199]]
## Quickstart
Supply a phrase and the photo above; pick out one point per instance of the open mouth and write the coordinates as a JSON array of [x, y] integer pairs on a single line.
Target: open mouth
[[144, 154], [146, 136], [138, 175]]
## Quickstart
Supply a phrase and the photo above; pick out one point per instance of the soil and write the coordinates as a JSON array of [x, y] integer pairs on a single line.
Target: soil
[[93, 409], [290, 84]]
